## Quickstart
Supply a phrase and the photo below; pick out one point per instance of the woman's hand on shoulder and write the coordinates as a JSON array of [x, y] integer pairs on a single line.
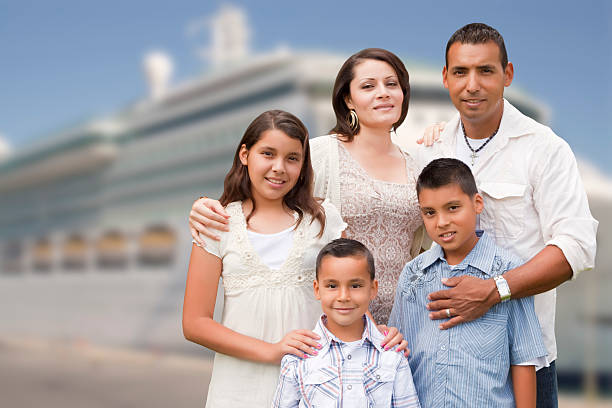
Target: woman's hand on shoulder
[[431, 134], [206, 216], [393, 338], [300, 343]]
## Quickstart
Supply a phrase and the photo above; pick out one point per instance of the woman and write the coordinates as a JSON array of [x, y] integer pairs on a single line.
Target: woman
[[361, 171]]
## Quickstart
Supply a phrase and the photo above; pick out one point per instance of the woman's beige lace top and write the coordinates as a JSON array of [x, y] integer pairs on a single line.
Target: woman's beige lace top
[[384, 216]]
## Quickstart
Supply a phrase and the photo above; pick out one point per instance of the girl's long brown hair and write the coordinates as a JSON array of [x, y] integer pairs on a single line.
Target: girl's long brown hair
[[237, 185]]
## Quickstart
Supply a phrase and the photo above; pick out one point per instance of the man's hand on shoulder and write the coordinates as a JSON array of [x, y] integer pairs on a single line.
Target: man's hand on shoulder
[[467, 299]]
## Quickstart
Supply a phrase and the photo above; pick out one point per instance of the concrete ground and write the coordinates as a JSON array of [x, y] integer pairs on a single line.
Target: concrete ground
[[37, 373]]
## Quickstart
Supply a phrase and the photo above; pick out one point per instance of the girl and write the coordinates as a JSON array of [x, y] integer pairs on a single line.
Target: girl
[[267, 263]]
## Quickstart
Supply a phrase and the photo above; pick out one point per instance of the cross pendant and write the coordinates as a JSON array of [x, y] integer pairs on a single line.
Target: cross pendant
[[474, 156]]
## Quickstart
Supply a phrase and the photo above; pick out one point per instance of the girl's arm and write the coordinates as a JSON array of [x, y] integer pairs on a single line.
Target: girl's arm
[[199, 326], [524, 385]]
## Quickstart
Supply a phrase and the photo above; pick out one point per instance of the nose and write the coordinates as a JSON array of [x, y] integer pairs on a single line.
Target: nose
[[278, 166], [344, 294], [382, 91], [443, 220], [473, 84]]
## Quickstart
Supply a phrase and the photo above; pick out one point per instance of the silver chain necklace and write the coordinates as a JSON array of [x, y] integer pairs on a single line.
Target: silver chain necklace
[[474, 155]]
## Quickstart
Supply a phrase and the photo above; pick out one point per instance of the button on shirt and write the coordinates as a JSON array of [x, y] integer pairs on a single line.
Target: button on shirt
[[347, 374], [467, 365], [533, 197]]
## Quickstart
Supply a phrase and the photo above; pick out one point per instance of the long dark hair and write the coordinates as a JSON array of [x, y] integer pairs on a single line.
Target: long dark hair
[[342, 88], [237, 185]]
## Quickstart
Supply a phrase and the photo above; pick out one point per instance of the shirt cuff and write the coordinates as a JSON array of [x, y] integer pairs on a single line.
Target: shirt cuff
[[538, 362]]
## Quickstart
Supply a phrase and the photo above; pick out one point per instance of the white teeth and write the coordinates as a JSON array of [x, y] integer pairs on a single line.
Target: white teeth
[[275, 181], [448, 234]]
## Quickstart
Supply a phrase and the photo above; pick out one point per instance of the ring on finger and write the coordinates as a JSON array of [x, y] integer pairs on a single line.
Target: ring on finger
[[448, 313]]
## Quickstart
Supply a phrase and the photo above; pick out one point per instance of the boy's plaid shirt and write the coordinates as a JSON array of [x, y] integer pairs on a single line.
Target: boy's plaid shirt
[[334, 378]]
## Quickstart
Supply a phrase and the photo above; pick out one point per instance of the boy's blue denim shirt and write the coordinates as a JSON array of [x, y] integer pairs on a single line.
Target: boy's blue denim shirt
[[467, 365]]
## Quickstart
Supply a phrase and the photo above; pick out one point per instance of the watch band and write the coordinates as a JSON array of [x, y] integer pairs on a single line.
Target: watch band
[[502, 288]]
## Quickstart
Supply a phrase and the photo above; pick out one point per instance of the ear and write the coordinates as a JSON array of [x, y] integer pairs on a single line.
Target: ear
[[508, 74], [374, 290], [445, 77], [478, 203], [243, 155], [348, 101], [316, 289]]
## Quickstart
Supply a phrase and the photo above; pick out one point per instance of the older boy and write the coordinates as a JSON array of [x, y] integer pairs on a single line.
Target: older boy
[[351, 369], [476, 363]]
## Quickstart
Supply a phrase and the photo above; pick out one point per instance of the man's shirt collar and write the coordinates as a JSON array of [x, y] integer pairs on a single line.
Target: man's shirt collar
[[513, 124]]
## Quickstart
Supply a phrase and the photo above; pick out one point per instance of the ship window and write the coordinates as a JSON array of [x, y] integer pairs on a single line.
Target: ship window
[[157, 246], [111, 251], [74, 253], [42, 255], [12, 255]]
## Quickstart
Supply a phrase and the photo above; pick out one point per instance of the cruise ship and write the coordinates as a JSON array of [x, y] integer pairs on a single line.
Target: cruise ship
[[94, 242]]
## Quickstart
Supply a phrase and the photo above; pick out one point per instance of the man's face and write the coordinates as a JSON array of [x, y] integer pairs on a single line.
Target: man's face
[[475, 80]]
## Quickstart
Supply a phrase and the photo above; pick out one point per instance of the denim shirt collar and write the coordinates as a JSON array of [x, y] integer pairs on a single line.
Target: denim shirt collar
[[480, 257]]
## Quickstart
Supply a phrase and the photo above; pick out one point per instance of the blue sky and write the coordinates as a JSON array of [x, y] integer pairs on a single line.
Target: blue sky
[[69, 60]]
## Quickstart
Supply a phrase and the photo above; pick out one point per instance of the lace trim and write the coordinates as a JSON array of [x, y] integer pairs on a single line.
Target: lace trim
[[253, 273]]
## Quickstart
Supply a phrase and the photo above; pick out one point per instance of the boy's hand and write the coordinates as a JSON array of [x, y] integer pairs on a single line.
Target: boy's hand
[[393, 338], [467, 300]]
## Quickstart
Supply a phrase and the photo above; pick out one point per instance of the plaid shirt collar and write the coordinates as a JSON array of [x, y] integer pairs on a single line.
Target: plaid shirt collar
[[480, 257], [328, 339]]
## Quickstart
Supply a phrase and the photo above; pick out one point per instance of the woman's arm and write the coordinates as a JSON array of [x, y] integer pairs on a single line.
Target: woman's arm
[[524, 385], [206, 216], [199, 326]]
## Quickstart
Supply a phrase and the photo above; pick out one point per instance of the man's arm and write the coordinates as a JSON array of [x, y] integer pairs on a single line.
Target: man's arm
[[471, 297], [524, 386], [569, 233]]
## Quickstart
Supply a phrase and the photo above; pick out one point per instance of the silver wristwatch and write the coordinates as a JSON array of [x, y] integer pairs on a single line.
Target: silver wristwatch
[[502, 288]]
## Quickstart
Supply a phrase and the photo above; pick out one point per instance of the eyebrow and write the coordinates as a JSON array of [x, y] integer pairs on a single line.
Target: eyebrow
[[371, 78], [274, 149], [489, 66]]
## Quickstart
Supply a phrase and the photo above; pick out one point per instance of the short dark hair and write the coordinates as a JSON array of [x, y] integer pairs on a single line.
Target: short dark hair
[[342, 88], [479, 33], [442, 172], [344, 248]]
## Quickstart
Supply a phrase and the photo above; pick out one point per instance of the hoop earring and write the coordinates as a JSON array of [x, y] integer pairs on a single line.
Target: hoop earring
[[353, 120]]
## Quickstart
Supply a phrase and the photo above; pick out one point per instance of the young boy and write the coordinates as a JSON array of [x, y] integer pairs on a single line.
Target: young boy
[[351, 369], [486, 362]]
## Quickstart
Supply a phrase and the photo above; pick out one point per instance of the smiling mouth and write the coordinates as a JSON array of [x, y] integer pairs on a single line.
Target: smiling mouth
[[343, 310], [473, 101], [384, 107], [275, 181], [447, 236]]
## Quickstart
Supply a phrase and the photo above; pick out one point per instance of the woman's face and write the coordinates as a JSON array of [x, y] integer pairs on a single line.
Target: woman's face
[[375, 94]]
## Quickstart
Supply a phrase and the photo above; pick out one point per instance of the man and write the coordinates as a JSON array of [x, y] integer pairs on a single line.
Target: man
[[535, 203]]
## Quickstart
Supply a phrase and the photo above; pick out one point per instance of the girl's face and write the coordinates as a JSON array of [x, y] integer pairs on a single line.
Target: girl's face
[[274, 164], [375, 94]]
